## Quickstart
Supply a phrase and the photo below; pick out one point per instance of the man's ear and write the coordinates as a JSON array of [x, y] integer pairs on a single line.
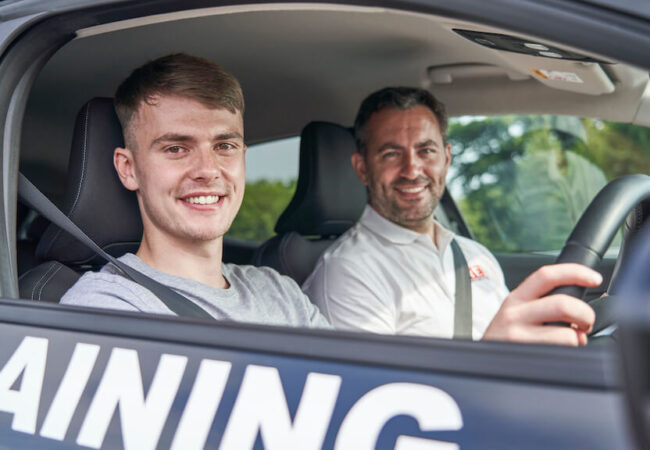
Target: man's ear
[[359, 165], [125, 166]]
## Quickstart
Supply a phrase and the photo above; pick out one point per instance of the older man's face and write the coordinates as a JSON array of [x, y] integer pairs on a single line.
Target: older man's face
[[405, 165]]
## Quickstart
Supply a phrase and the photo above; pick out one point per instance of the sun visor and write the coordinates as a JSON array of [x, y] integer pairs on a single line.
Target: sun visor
[[553, 66], [575, 76]]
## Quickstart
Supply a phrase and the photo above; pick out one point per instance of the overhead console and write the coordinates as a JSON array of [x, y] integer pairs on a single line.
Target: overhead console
[[525, 58]]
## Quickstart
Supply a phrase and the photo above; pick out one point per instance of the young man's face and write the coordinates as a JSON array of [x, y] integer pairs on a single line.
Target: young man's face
[[187, 167], [405, 165]]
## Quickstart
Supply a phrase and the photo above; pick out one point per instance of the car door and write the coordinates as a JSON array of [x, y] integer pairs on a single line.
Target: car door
[[93, 378]]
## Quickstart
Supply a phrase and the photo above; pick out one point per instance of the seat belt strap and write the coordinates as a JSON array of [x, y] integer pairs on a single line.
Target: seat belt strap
[[176, 302], [463, 305]]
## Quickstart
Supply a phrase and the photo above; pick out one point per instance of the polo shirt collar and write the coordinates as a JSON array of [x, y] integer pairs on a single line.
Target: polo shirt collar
[[397, 234]]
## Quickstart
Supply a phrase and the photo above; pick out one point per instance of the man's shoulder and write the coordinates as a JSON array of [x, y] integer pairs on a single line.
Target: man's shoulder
[[472, 246], [354, 252], [99, 288], [355, 242], [259, 276], [108, 289], [250, 271], [479, 255]]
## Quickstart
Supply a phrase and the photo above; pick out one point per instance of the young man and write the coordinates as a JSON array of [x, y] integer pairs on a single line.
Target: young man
[[182, 119], [393, 272]]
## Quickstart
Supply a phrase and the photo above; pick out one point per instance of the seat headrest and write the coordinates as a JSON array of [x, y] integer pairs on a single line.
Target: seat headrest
[[329, 197], [94, 199]]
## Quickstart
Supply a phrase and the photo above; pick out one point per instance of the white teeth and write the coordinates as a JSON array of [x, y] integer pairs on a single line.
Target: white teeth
[[203, 200], [412, 190]]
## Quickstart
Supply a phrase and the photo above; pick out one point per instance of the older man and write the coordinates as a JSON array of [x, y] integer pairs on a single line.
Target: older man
[[394, 271]]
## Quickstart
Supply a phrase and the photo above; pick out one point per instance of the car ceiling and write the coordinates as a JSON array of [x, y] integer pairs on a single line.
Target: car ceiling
[[299, 63]]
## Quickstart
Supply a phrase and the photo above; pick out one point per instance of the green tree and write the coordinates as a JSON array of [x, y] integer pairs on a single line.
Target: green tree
[[619, 149], [263, 203], [525, 180]]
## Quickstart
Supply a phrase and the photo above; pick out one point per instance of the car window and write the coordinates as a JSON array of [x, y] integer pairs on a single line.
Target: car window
[[271, 175], [523, 181]]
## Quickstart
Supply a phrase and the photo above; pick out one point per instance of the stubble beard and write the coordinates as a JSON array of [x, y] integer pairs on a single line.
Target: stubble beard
[[413, 217]]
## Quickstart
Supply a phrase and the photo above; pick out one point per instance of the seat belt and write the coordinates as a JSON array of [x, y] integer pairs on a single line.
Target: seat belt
[[463, 305], [176, 302]]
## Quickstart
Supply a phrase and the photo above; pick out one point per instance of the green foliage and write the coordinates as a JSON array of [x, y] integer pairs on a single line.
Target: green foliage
[[552, 190], [617, 148], [525, 180], [263, 203]]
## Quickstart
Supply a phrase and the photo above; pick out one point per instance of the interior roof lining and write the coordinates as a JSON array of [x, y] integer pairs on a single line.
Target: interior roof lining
[[417, 40], [237, 9], [221, 10]]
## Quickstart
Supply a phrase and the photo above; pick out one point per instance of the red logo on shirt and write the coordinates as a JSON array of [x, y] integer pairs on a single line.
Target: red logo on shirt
[[476, 273]]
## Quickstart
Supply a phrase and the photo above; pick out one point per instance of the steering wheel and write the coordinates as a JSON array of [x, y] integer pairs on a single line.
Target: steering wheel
[[598, 225]]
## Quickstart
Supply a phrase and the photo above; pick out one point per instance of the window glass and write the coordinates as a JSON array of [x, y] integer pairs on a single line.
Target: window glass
[[522, 182], [271, 174]]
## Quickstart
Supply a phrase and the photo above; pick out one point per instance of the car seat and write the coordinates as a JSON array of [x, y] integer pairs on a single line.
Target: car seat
[[329, 199], [30, 225], [95, 200]]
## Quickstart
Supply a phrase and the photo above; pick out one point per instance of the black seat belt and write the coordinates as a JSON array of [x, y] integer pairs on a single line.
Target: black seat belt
[[173, 300], [463, 305]]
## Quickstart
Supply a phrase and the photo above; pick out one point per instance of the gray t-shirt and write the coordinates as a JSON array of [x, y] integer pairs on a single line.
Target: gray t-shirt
[[256, 294]]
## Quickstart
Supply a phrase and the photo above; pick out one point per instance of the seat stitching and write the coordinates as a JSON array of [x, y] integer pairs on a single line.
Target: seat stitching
[[25, 274], [40, 279], [83, 159], [83, 170], [40, 292]]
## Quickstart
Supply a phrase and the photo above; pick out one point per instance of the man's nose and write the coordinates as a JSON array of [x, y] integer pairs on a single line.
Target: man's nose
[[205, 165], [411, 165]]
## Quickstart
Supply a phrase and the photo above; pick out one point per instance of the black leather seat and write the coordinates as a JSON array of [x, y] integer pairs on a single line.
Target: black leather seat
[[328, 200], [95, 200], [31, 225]]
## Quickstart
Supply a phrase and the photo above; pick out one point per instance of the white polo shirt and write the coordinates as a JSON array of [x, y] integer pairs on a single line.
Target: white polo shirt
[[381, 277]]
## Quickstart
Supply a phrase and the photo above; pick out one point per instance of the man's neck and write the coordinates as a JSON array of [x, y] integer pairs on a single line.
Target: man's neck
[[196, 260], [426, 226], [430, 230]]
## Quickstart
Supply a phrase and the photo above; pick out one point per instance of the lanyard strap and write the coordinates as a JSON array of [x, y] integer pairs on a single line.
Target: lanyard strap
[[178, 303], [463, 305]]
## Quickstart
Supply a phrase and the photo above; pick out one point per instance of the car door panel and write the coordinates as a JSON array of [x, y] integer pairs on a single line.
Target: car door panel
[[213, 393]]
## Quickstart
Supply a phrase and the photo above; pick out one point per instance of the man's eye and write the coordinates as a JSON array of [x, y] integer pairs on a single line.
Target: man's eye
[[174, 149], [387, 155], [226, 146]]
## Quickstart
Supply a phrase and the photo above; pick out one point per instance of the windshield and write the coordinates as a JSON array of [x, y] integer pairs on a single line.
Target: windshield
[[523, 181]]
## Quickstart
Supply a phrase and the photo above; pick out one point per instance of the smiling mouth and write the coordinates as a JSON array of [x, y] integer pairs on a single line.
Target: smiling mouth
[[203, 200], [411, 190]]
